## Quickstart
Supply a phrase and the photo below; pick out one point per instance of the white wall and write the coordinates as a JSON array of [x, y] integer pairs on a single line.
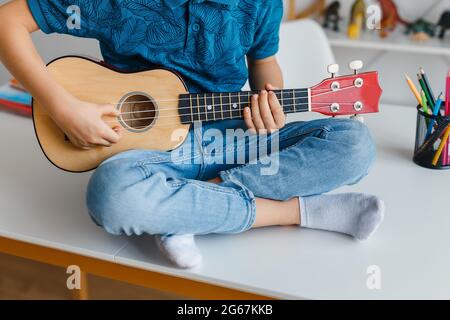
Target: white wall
[[53, 46], [393, 65]]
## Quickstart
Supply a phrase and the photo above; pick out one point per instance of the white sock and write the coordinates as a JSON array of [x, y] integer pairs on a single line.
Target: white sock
[[181, 250], [356, 214]]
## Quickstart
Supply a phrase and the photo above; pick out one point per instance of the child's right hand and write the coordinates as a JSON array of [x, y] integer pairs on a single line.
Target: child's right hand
[[83, 124]]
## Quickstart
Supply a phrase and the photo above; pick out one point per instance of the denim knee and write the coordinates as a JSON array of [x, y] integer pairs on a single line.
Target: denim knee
[[360, 152], [105, 192]]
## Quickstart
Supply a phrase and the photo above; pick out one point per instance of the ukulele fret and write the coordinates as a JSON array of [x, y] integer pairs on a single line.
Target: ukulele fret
[[213, 105], [233, 105], [202, 108], [194, 108], [288, 101], [205, 108], [209, 106], [282, 99], [230, 105], [300, 100], [217, 114], [249, 101], [293, 99], [229, 102], [279, 95], [198, 108], [226, 103], [192, 112], [239, 100], [216, 101]]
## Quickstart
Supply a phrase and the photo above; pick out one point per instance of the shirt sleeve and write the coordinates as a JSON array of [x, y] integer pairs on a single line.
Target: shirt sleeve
[[266, 39], [74, 17]]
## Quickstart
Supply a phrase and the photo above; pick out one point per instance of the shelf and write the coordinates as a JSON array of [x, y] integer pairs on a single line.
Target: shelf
[[396, 41]]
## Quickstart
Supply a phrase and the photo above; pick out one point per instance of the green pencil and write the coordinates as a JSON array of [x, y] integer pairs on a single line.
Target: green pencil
[[424, 88], [428, 86], [424, 102]]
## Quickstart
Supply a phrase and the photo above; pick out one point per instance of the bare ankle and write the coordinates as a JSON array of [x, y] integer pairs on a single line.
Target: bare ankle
[[295, 210], [291, 214], [216, 180]]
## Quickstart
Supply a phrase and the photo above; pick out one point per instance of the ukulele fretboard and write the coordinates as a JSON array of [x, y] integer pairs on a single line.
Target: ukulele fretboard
[[223, 106]]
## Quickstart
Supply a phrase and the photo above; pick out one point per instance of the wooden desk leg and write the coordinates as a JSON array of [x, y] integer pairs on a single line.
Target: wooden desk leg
[[83, 292]]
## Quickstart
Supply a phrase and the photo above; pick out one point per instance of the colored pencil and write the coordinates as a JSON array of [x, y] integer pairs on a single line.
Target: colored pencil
[[441, 146], [424, 88], [436, 109], [424, 102], [413, 89], [447, 98], [446, 160], [427, 85]]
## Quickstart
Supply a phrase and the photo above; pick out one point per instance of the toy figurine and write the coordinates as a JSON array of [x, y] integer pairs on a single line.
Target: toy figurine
[[444, 23], [421, 30], [316, 9], [332, 16], [357, 18], [390, 17]]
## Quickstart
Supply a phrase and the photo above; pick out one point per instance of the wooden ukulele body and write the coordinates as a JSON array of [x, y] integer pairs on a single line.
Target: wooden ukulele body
[[150, 95]]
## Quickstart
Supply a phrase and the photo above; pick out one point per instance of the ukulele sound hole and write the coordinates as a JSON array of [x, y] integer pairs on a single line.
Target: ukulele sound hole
[[138, 112]]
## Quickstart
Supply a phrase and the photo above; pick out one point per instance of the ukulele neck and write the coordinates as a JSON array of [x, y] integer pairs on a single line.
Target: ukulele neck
[[226, 106]]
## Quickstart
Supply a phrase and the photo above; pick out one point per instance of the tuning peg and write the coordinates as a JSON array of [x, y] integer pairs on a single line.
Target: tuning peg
[[356, 65], [357, 117], [333, 69]]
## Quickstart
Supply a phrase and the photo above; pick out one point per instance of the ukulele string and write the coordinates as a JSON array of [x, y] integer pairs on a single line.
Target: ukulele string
[[227, 104], [170, 125], [198, 114], [206, 110], [231, 95], [119, 119], [128, 133], [231, 118]]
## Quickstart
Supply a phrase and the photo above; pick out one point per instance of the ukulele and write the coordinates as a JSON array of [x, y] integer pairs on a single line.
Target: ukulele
[[154, 104]]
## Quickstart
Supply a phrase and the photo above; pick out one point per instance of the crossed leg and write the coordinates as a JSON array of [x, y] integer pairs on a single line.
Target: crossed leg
[[147, 192]]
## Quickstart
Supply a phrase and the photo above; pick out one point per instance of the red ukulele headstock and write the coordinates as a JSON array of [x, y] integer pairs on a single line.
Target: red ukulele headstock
[[347, 95]]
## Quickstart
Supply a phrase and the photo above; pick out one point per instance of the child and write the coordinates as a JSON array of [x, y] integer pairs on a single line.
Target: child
[[175, 197]]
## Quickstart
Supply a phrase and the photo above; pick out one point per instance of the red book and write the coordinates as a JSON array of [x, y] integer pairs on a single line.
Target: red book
[[21, 109], [15, 100]]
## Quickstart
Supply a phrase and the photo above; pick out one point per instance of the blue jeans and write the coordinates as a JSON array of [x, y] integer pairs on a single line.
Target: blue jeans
[[166, 193]]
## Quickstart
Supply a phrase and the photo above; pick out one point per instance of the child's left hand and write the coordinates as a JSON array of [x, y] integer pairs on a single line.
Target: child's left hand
[[266, 114]]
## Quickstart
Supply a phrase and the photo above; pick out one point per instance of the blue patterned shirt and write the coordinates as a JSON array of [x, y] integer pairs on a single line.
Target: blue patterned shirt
[[206, 41]]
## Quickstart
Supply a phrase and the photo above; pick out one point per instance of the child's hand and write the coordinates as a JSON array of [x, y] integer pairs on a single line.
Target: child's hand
[[266, 113], [83, 124]]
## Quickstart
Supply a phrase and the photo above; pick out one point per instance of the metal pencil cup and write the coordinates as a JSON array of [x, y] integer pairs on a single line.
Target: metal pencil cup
[[429, 132]]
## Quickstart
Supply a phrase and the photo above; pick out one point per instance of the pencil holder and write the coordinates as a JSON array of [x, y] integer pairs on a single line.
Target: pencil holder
[[430, 148]]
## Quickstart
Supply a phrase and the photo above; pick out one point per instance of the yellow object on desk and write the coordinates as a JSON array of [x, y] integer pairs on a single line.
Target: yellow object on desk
[[413, 89], [441, 146]]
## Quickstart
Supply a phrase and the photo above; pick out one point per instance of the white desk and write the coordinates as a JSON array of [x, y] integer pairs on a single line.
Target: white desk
[[45, 206]]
